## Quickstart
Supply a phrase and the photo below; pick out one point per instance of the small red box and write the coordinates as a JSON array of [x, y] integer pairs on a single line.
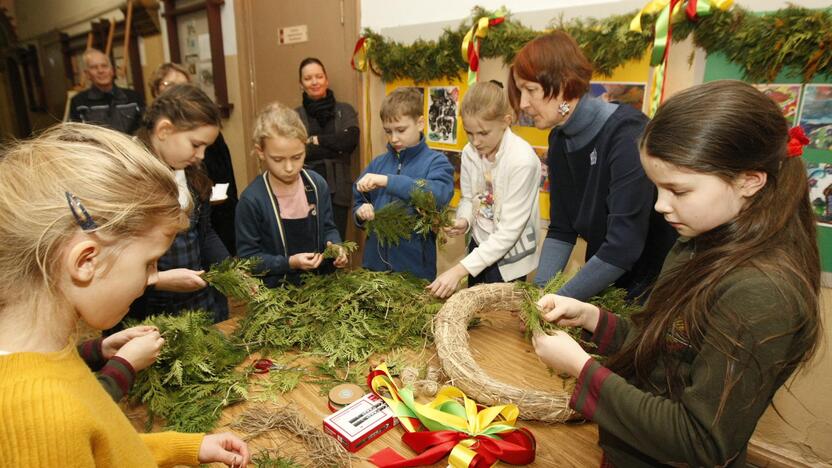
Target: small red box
[[362, 421]]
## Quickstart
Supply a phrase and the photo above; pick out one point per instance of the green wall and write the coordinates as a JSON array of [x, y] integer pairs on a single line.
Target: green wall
[[717, 67]]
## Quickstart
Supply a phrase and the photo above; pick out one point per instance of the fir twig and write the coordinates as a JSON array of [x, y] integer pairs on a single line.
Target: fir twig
[[333, 251], [391, 223], [193, 377]]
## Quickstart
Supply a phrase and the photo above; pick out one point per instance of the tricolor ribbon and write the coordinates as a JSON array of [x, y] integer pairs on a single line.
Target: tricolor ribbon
[[471, 42], [669, 12], [471, 436]]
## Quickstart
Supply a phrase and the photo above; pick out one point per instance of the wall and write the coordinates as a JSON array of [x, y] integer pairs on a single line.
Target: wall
[[801, 436], [37, 17]]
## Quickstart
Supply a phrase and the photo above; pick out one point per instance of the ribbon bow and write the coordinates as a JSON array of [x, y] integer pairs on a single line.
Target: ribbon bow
[[359, 61], [471, 436], [797, 140], [471, 42], [669, 12]]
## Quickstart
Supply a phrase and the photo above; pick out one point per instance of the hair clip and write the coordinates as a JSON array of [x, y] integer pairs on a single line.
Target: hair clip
[[75, 206], [797, 140], [563, 108]]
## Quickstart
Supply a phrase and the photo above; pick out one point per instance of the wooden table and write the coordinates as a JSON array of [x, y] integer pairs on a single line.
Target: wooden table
[[499, 347]]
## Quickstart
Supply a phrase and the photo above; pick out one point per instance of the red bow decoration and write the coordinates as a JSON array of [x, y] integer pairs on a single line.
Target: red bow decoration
[[516, 448], [797, 140]]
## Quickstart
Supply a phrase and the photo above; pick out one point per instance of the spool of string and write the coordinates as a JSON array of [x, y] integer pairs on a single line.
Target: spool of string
[[344, 394], [428, 386]]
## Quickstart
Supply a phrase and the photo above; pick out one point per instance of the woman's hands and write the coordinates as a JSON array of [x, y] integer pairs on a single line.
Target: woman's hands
[[224, 448]]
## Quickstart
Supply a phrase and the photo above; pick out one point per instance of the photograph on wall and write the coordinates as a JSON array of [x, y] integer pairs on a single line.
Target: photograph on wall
[[787, 96], [631, 94], [816, 116], [204, 78], [544, 169], [443, 103], [820, 190], [455, 158]]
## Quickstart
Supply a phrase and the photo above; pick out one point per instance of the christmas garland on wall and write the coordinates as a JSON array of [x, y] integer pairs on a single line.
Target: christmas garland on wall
[[798, 39]]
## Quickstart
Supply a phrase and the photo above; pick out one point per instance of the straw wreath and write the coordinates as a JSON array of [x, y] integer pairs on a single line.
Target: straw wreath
[[451, 339]]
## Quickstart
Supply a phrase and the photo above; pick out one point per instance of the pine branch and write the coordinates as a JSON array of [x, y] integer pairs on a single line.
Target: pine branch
[[333, 251]]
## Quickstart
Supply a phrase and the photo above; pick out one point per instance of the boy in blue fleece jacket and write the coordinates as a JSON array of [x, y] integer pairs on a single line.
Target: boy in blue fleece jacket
[[393, 175]]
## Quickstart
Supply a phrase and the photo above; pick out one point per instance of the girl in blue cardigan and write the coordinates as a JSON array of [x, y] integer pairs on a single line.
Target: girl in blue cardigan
[[284, 216]]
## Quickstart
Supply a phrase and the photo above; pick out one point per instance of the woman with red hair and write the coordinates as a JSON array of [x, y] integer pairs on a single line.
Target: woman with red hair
[[598, 188]]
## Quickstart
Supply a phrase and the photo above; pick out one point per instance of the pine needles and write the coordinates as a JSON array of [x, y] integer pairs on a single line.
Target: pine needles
[[193, 377], [395, 221], [612, 299], [391, 223], [344, 317], [333, 251]]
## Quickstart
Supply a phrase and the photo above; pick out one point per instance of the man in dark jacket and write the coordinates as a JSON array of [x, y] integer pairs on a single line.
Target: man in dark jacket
[[104, 103]]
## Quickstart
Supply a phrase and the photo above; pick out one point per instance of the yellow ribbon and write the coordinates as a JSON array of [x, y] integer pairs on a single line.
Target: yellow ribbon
[[477, 32], [654, 6]]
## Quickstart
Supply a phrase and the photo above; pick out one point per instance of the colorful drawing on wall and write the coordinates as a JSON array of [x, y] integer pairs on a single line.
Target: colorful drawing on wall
[[455, 158], [787, 96], [623, 92], [442, 114], [816, 115], [544, 169], [820, 190]]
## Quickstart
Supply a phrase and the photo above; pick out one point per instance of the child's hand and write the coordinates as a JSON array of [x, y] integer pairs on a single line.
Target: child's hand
[[305, 261], [459, 228], [560, 352], [224, 448], [180, 280], [111, 344], [342, 259], [371, 182], [142, 351], [445, 284], [568, 312], [365, 212]]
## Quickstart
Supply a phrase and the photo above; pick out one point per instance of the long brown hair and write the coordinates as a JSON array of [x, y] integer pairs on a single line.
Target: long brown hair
[[725, 128], [187, 107]]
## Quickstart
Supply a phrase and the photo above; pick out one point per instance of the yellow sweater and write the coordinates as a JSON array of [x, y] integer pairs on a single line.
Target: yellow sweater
[[53, 412]]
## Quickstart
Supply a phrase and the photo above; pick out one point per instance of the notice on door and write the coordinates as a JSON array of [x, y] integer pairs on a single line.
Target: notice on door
[[292, 35]]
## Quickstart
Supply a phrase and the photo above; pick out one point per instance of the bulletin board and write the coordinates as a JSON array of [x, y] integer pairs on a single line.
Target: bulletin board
[[810, 106], [443, 130]]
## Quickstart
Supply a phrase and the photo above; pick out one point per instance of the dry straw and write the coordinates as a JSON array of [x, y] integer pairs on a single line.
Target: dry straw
[[451, 339], [321, 449]]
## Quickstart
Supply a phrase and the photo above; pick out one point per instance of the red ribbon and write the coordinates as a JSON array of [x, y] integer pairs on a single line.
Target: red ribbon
[[473, 46], [516, 447], [797, 140], [690, 11]]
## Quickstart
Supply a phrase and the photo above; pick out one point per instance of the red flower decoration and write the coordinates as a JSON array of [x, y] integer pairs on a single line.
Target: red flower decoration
[[797, 140]]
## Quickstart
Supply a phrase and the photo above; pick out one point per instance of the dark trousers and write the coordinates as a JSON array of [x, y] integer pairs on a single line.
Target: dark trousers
[[491, 273]]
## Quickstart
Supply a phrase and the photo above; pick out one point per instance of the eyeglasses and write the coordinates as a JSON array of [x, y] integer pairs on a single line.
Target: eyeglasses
[[75, 206]]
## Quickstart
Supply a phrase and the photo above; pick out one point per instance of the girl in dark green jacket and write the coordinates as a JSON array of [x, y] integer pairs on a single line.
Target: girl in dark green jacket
[[735, 310]]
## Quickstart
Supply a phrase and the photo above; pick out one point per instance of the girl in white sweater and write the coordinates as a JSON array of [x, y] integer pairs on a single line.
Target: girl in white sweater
[[500, 181]]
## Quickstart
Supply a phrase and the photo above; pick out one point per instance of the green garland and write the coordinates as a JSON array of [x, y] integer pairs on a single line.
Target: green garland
[[193, 377], [793, 38], [344, 317]]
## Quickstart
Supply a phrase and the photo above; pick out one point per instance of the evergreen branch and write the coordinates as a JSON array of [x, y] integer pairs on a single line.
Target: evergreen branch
[[333, 251]]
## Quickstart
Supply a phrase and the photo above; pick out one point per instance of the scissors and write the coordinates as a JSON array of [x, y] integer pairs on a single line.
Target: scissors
[[263, 366]]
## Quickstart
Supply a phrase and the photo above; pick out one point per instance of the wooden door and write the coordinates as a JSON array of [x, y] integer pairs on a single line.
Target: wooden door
[[332, 30], [271, 69]]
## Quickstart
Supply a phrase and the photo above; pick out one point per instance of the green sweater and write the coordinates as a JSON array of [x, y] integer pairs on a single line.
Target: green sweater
[[644, 426]]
